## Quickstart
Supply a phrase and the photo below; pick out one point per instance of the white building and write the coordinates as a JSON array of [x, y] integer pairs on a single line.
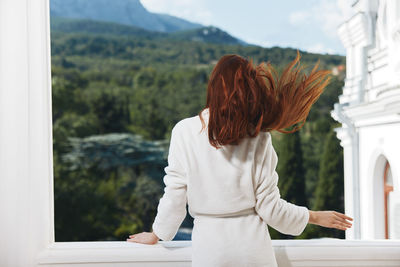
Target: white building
[[369, 110]]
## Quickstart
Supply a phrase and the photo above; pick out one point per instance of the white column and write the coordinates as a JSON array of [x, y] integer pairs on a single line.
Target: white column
[[26, 195], [351, 200]]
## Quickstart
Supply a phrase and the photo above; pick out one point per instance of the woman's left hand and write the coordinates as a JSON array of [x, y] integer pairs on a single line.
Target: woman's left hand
[[144, 238]]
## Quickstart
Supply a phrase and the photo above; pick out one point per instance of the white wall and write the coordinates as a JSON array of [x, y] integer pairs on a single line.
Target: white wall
[[377, 144], [25, 132]]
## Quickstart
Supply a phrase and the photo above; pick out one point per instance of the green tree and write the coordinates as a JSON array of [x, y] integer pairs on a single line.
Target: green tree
[[111, 110], [329, 193], [291, 172]]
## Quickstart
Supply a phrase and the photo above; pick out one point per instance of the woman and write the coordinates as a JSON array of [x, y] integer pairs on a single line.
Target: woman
[[227, 174]]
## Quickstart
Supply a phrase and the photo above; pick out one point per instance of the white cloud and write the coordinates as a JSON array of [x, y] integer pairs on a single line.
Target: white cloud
[[192, 10], [327, 15], [345, 8], [330, 15], [298, 17]]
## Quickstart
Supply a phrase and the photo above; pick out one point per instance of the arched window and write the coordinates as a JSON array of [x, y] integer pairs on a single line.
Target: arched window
[[387, 188]]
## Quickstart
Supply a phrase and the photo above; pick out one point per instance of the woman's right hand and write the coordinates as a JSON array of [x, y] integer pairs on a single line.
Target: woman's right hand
[[330, 219]]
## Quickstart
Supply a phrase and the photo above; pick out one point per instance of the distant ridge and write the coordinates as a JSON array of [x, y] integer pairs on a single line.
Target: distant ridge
[[204, 34], [71, 25], [127, 12]]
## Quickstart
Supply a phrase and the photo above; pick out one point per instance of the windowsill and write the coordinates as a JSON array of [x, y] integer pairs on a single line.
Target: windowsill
[[114, 252], [303, 252]]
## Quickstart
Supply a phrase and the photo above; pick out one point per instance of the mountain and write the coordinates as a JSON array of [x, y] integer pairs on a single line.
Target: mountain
[[204, 34], [127, 12]]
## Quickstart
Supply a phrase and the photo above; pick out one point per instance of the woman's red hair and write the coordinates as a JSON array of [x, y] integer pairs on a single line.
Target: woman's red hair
[[243, 100]]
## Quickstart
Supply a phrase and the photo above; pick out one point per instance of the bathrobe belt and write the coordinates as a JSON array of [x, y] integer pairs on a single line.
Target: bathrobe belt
[[228, 215]]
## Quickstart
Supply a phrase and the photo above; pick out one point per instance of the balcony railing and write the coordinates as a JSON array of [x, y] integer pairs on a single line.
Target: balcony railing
[[289, 253]]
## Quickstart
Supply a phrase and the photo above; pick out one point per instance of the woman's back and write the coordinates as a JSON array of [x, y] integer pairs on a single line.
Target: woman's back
[[220, 181], [232, 194]]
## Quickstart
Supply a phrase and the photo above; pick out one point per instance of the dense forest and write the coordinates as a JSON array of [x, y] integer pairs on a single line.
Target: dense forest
[[118, 91]]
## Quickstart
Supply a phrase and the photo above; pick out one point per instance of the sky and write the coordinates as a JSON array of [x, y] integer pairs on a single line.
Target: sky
[[309, 25]]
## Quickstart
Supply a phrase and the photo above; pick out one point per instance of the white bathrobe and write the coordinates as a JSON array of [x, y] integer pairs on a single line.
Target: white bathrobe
[[232, 195]]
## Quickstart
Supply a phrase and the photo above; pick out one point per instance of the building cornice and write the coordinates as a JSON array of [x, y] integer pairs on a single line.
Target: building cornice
[[385, 109], [354, 31]]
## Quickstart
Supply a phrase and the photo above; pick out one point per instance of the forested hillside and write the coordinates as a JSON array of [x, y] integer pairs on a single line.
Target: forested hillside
[[117, 93]]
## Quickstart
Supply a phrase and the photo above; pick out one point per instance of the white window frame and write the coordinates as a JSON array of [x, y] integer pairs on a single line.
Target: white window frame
[[26, 172]]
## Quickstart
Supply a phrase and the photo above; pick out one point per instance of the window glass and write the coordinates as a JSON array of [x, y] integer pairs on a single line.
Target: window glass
[[123, 76]]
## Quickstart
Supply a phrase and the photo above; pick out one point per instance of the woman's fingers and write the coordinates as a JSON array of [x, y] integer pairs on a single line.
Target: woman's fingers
[[339, 226], [132, 238], [143, 238], [341, 215], [344, 225], [333, 219], [341, 223], [341, 220]]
